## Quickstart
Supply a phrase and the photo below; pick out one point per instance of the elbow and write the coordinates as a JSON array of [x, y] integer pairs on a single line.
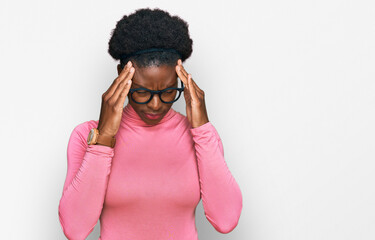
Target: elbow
[[227, 228], [228, 223], [72, 231]]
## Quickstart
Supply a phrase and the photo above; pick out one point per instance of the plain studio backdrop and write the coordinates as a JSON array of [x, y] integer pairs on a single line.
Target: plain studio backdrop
[[290, 87]]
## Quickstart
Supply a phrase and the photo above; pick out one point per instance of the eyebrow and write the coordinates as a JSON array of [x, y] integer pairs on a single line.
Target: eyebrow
[[147, 88]]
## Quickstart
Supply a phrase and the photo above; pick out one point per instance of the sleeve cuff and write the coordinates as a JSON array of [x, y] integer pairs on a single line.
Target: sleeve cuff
[[204, 132], [205, 127], [101, 150]]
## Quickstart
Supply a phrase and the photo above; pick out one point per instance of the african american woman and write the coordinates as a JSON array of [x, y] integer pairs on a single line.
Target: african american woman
[[142, 169]]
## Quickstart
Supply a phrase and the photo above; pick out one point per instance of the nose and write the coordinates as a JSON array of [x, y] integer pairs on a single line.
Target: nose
[[155, 104]]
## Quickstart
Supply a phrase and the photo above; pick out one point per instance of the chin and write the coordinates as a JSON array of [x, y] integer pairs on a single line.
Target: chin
[[151, 122]]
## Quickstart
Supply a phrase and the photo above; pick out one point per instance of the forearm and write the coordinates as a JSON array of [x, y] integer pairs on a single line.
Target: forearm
[[221, 195], [82, 200]]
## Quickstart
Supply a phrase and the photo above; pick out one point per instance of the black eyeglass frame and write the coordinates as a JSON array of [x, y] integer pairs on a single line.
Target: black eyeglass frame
[[159, 92]]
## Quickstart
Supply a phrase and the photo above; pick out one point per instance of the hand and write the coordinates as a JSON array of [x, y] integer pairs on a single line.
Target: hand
[[195, 105], [113, 102]]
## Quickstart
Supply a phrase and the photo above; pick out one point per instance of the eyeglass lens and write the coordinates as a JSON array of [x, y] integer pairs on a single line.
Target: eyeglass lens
[[142, 96]]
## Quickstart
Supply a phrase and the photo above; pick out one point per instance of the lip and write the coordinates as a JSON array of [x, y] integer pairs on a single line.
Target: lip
[[152, 116]]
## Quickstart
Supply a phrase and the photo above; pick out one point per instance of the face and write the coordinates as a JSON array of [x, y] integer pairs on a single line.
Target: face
[[153, 78]]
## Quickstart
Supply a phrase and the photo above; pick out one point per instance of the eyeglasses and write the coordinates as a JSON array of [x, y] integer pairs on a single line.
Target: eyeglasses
[[167, 95]]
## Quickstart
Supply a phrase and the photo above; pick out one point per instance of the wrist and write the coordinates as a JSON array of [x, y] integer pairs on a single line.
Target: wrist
[[97, 138], [105, 133], [102, 144]]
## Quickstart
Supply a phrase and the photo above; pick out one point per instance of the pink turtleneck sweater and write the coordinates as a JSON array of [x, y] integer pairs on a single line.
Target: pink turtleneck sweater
[[148, 186]]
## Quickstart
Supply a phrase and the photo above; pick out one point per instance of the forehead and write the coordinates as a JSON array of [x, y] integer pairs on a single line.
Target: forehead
[[155, 76]]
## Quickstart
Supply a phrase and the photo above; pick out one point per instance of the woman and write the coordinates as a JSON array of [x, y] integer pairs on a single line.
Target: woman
[[143, 169]]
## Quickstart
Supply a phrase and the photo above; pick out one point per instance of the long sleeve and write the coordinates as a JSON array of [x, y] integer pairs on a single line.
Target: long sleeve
[[221, 195], [85, 186]]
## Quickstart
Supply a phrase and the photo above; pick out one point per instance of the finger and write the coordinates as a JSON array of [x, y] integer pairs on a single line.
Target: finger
[[121, 82], [183, 69], [122, 76], [196, 86], [125, 70], [122, 86], [187, 95], [179, 64], [198, 91], [179, 69], [192, 88], [120, 101], [181, 75]]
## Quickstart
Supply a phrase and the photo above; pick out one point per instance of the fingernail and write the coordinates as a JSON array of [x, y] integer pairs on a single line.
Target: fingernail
[[131, 69], [129, 63]]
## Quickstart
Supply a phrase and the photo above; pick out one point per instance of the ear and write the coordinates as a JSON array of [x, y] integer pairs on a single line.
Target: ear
[[119, 69]]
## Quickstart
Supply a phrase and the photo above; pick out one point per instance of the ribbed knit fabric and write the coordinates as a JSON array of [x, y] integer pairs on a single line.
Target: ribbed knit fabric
[[148, 186]]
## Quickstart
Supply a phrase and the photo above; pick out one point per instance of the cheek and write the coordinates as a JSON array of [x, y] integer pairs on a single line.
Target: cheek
[[138, 108], [134, 105]]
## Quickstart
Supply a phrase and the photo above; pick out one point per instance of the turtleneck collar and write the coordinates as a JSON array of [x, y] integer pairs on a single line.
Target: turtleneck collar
[[130, 116]]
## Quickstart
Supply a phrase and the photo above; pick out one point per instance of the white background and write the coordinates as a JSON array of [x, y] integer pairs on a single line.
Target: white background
[[289, 86]]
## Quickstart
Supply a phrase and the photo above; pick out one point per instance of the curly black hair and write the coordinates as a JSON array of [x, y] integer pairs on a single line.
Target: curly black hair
[[147, 28]]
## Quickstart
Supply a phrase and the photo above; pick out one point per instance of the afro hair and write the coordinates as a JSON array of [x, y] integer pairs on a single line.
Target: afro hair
[[146, 28]]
